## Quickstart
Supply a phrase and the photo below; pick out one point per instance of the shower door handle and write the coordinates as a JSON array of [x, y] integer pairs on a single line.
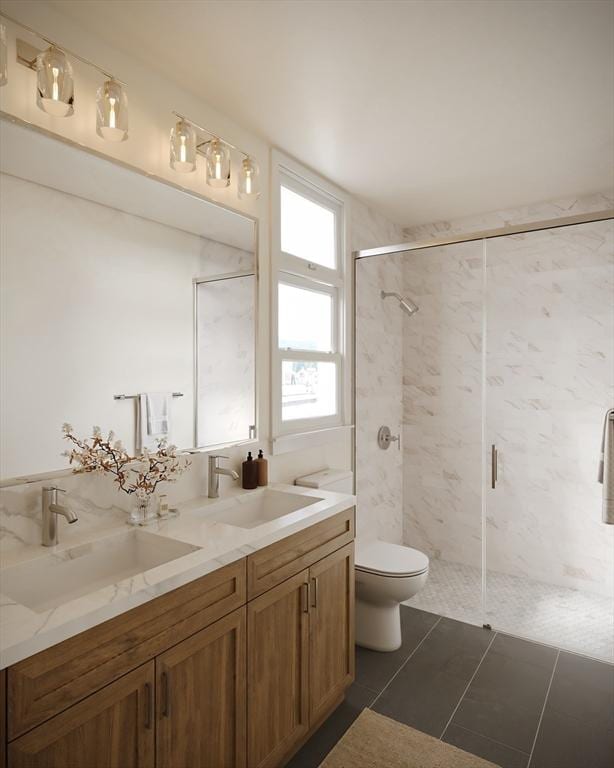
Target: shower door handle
[[494, 455]]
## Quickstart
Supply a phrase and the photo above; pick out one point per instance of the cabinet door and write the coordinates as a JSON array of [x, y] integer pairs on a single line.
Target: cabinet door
[[331, 666], [113, 728], [200, 690], [278, 658]]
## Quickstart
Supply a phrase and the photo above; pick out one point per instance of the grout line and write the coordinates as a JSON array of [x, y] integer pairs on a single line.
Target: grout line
[[488, 738], [404, 663], [492, 640], [541, 716]]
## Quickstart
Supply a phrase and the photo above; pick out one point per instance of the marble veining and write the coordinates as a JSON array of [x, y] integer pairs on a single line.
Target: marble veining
[[24, 632], [379, 360]]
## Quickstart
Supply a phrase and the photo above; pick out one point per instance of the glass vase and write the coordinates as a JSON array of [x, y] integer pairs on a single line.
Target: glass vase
[[142, 511]]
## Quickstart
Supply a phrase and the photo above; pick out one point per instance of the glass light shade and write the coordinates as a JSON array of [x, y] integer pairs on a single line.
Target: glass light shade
[[4, 58], [217, 159], [112, 112], [249, 181], [183, 147], [55, 85]]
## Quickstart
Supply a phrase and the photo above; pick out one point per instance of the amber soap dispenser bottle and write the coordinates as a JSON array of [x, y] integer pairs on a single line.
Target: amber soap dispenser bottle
[[249, 473], [263, 469]]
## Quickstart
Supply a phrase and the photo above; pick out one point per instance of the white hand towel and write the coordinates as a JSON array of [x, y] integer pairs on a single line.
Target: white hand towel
[[606, 467], [158, 412], [153, 419]]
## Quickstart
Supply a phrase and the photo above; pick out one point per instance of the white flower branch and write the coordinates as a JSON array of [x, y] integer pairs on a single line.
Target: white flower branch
[[97, 454]]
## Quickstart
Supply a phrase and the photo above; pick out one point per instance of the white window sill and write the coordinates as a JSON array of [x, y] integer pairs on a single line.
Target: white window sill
[[299, 441]]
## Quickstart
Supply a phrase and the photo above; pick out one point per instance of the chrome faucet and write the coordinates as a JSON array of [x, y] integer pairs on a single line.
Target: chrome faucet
[[51, 509], [214, 475]]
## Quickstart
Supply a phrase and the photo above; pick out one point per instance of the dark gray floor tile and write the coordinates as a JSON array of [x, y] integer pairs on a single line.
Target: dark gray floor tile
[[500, 754], [583, 688], [374, 669], [564, 742], [524, 650], [505, 699], [332, 729], [428, 688]]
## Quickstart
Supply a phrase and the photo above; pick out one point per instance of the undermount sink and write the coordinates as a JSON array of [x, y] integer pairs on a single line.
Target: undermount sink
[[262, 508], [59, 577]]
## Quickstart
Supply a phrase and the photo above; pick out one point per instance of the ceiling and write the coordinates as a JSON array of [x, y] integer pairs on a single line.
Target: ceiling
[[424, 109]]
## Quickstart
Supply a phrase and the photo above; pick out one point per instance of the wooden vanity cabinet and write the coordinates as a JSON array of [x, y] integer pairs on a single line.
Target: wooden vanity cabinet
[[233, 670], [200, 694], [278, 671], [300, 656], [113, 728], [331, 631]]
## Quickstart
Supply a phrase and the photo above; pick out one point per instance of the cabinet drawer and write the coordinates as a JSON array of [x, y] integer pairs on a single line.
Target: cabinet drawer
[[62, 675], [112, 728], [276, 563]]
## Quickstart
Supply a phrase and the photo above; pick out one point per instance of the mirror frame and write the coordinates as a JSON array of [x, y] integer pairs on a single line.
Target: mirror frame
[[52, 474]]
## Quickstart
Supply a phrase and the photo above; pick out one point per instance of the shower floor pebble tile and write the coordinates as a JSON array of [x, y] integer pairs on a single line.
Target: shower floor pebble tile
[[567, 618]]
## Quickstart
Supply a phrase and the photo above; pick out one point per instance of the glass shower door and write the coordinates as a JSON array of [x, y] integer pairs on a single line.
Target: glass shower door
[[442, 425], [549, 378]]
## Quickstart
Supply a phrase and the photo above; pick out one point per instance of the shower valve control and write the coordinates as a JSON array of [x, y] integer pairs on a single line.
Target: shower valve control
[[385, 437]]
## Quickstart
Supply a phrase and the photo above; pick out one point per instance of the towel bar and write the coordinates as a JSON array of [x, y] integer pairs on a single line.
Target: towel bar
[[133, 397]]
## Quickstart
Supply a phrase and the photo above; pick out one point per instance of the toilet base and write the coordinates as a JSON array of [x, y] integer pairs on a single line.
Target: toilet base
[[378, 626]]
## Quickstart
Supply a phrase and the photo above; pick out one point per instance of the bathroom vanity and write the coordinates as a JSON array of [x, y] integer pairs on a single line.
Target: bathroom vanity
[[236, 667]]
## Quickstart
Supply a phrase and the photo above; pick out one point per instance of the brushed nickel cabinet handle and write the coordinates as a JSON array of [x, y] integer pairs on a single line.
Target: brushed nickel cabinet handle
[[166, 696], [305, 597], [494, 470], [314, 602], [148, 704]]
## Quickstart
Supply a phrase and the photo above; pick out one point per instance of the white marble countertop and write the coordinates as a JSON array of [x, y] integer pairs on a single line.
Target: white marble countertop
[[24, 632]]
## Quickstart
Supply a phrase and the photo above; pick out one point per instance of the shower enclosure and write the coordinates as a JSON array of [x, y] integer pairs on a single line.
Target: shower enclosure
[[498, 386]]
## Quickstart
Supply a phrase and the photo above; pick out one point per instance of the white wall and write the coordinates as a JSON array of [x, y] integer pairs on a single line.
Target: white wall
[[151, 100]]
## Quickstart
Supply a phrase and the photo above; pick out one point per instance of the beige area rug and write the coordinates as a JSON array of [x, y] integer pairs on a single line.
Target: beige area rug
[[375, 741]]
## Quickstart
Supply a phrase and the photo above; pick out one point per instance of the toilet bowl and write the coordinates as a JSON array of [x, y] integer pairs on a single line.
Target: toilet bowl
[[386, 575]]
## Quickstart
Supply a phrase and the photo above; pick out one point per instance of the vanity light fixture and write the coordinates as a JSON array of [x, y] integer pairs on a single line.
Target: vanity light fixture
[[183, 147], [217, 154], [55, 84], [249, 181], [3, 56], [55, 89], [112, 111]]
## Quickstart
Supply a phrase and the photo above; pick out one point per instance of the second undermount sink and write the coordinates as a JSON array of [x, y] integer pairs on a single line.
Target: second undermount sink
[[249, 512], [59, 577]]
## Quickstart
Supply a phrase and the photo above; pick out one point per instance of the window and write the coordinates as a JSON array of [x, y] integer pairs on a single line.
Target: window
[[311, 307], [307, 229]]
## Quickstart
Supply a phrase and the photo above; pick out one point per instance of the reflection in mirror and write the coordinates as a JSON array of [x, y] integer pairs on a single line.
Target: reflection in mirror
[[98, 271], [225, 329]]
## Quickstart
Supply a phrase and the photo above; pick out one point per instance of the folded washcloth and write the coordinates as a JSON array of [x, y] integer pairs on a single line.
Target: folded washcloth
[[606, 467]]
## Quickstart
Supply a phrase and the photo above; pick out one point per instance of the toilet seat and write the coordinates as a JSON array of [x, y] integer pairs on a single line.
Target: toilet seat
[[391, 560]]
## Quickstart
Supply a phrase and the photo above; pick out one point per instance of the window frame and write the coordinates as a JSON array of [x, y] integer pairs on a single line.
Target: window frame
[[294, 270]]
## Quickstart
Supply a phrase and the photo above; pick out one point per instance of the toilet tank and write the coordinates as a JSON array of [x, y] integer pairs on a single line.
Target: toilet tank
[[339, 480]]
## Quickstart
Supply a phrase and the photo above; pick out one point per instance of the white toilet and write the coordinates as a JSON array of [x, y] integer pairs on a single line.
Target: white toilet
[[386, 575]]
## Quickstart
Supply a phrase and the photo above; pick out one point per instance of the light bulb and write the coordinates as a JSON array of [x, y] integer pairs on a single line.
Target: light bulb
[[55, 85], [249, 181], [112, 111], [217, 158], [183, 147]]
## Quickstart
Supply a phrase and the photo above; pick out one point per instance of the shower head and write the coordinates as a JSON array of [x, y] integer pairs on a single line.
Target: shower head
[[407, 305]]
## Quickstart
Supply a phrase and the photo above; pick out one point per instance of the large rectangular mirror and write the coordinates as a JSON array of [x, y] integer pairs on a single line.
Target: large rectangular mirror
[[125, 303]]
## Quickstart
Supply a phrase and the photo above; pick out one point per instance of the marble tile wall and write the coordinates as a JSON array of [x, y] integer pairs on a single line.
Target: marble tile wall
[[442, 379], [379, 371], [549, 376]]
